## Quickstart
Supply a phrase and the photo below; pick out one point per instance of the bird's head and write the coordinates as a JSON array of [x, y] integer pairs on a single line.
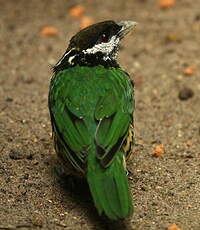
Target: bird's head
[[98, 42], [103, 37]]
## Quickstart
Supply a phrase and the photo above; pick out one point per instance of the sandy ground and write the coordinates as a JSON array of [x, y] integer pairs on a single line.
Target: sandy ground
[[166, 190]]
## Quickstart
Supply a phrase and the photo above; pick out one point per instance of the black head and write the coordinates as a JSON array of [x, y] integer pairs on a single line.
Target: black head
[[94, 34], [96, 44]]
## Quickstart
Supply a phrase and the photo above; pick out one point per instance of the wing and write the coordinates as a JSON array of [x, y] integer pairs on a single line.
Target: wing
[[70, 131], [114, 113]]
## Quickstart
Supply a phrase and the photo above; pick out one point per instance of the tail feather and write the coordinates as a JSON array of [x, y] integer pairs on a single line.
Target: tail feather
[[109, 189]]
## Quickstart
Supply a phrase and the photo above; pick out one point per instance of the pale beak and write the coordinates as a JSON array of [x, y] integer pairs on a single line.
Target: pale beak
[[127, 26]]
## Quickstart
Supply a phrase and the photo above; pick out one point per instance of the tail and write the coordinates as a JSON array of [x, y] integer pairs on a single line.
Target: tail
[[109, 188]]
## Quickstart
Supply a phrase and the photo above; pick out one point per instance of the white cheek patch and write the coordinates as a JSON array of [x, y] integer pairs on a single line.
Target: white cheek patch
[[104, 47]]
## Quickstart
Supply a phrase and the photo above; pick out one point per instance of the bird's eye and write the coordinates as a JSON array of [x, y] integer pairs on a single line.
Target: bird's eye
[[104, 38]]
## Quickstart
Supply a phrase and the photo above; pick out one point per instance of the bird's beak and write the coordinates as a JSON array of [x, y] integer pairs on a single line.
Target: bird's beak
[[127, 26]]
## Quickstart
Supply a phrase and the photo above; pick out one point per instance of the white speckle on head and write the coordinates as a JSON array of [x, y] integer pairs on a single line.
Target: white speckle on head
[[104, 47], [71, 59], [107, 58]]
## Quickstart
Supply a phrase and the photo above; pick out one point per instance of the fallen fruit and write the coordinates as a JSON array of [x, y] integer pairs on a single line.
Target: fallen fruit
[[48, 31], [190, 70], [166, 3], [77, 11], [86, 21], [159, 151], [173, 227]]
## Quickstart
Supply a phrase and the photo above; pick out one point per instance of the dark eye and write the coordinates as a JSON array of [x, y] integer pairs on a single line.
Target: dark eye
[[104, 38]]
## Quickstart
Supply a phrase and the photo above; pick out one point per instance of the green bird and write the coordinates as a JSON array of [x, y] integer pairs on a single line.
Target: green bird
[[91, 106]]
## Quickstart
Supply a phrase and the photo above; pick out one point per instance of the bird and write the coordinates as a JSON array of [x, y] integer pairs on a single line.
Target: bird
[[91, 106]]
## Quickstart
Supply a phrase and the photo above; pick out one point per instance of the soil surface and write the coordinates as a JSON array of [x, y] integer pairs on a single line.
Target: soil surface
[[166, 189]]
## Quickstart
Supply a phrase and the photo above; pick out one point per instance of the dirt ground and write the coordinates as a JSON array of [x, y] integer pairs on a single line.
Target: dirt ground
[[166, 189]]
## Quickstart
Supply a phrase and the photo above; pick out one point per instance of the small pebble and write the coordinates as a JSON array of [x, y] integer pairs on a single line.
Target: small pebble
[[18, 154], [185, 94], [9, 99], [197, 17], [37, 220], [171, 37]]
